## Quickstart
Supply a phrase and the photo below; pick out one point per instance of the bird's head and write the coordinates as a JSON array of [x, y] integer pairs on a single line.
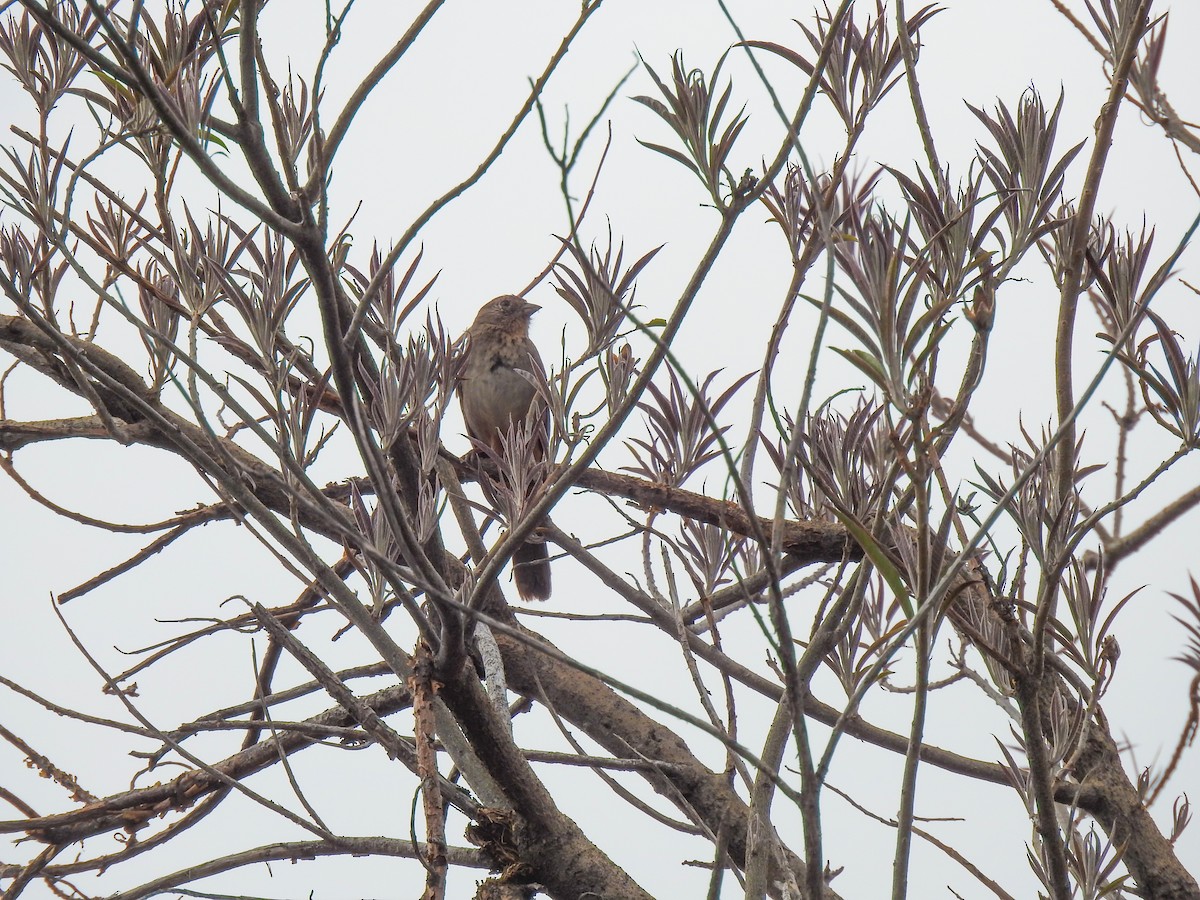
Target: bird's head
[[507, 312]]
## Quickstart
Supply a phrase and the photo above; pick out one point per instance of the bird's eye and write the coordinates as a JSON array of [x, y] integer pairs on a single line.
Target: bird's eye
[[505, 303]]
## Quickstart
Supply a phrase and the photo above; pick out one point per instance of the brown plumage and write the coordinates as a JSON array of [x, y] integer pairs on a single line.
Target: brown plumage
[[493, 395]]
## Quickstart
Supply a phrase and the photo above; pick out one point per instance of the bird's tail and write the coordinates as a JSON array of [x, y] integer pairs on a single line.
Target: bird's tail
[[531, 569]]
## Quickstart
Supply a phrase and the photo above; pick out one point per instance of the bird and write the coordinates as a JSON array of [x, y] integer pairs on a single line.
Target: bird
[[493, 395]]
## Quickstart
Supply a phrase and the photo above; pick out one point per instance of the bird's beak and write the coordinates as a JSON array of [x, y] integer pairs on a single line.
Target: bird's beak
[[529, 308]]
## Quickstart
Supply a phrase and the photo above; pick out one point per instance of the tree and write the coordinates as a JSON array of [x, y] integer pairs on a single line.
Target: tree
[[851, 526]]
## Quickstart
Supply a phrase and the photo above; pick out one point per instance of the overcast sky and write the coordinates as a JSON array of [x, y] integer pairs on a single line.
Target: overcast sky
[[425, 129]]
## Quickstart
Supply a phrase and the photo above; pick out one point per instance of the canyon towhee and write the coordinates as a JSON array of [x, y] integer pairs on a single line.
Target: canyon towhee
[[493, 395]]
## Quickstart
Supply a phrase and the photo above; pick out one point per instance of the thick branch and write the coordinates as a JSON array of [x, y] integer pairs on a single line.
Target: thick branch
[[1107, 794], [559, 854], [628, 733], [809, 541]]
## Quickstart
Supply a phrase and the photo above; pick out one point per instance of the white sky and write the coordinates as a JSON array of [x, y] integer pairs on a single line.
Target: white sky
[[424, 129]]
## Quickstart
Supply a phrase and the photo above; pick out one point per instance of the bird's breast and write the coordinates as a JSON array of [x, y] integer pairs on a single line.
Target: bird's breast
[[492, 397]]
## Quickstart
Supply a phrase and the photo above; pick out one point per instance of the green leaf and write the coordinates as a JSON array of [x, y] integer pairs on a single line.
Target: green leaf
[[866, 363], [879, 559]]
